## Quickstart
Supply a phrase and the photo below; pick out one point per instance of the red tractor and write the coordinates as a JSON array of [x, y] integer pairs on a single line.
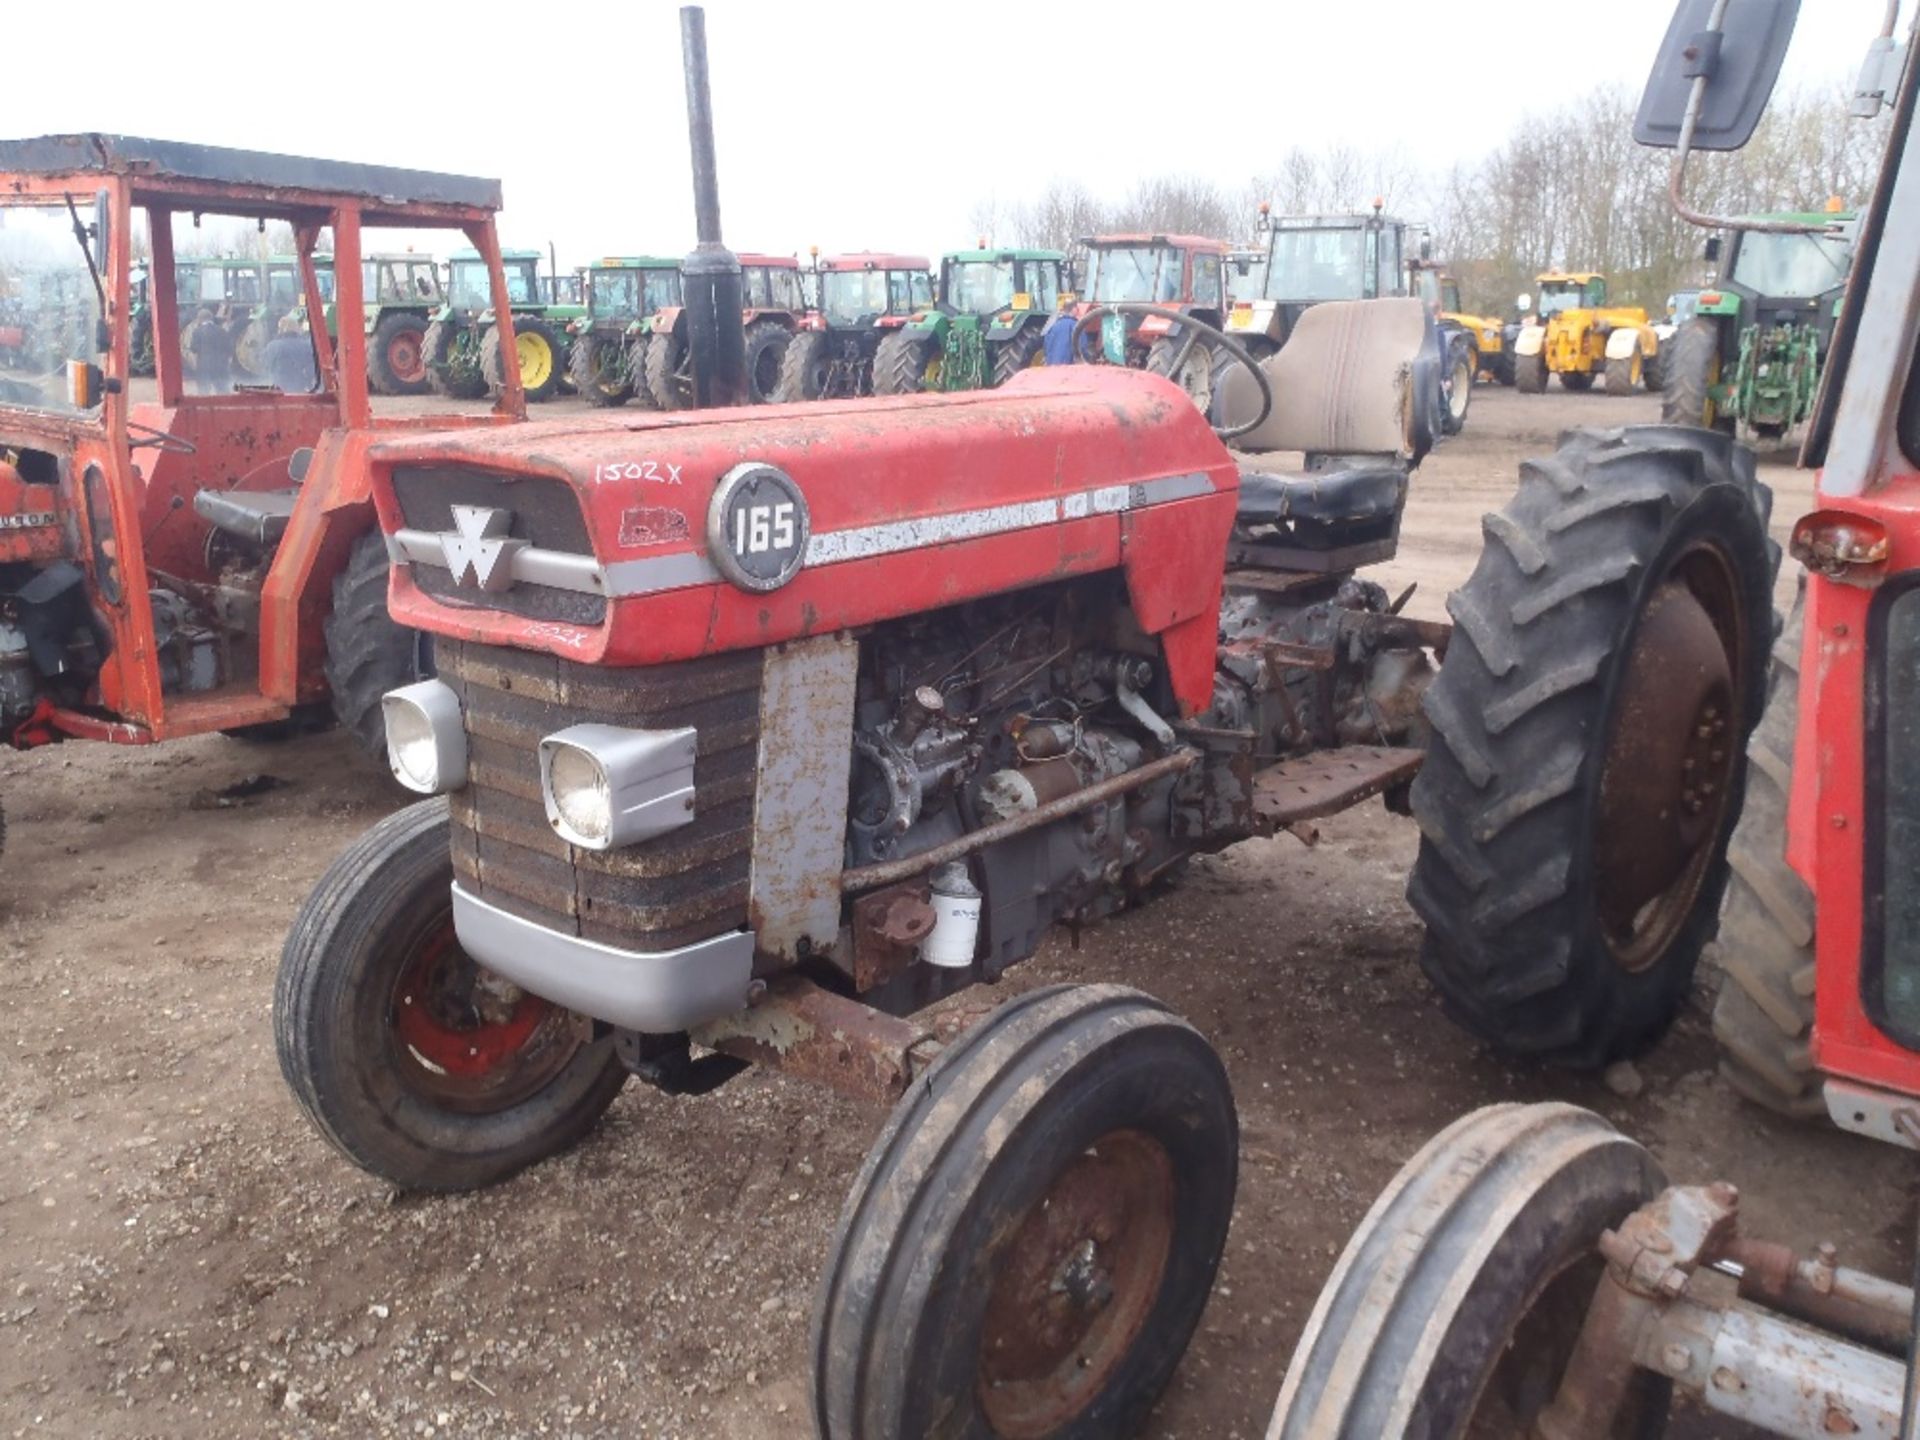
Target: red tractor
[[775, 309], [863, 298], [195, 562], [1531, 1271], [1184, 273]]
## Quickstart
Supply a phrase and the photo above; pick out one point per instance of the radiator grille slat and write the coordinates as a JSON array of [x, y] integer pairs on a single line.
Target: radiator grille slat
[[684, 886]]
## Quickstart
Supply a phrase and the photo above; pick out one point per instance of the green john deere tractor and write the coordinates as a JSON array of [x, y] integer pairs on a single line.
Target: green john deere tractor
[[1751, 354], [462, 343], [608, 358], [988, 322]]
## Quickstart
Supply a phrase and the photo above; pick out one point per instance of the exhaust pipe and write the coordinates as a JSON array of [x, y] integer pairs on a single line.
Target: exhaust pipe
[[714, 298]]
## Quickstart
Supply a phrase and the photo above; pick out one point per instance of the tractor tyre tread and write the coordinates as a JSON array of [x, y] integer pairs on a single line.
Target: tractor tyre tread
[[797, 380], [441, 336], [663, 381], [1689, 374], [763, 336], [1520, 713], [1620, 376], [1530, 374], [583, 369], [492, 364], [637, 348], [1017, 352], [380, 374], [367, 652], [900, 363]]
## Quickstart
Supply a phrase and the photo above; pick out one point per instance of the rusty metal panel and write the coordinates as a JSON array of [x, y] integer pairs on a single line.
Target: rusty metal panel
[[1328, 781], [800, 809], [813, 1034]]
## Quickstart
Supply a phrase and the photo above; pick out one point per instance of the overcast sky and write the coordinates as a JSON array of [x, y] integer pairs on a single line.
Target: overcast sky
[[844, 123]]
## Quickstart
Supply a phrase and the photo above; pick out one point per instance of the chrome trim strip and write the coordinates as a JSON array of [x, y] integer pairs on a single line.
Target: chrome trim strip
[[657, 992], [555, 569]]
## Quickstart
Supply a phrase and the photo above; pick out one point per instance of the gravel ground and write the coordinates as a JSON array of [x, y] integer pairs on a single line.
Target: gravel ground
[[180, 1255]]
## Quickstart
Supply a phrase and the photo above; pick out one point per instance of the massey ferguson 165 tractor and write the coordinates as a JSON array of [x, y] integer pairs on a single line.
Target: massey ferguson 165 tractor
[[988, 322], [198, 562], [863, 297], [773, 310], [1531, 1271], [1181, 273]]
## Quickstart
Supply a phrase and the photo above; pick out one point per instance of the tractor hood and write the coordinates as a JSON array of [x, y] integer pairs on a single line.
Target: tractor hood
[[648, 540]]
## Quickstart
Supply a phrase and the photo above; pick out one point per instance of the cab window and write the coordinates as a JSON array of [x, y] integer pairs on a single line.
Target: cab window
[[1042, 280], [1206, 280]]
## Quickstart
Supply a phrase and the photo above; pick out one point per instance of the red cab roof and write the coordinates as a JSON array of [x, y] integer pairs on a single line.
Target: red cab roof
[[875, 260], [776, 262], [1185, 242]]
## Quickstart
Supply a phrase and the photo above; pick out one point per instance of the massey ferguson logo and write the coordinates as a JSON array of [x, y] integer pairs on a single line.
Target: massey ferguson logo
[[479, 543]]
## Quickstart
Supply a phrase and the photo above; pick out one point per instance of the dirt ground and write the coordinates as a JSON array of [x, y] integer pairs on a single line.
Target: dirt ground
[[180, 1255]]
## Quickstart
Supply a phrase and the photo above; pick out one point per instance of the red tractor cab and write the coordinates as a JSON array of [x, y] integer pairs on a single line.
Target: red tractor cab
[[859, 298], [773, 308], [1184, 273], [171, 562]]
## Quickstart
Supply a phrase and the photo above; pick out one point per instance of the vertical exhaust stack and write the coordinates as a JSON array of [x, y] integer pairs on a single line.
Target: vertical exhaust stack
[[716, 338]]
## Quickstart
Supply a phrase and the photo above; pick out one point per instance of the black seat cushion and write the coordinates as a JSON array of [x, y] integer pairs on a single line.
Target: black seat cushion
[[257, 515], [1345, 495]]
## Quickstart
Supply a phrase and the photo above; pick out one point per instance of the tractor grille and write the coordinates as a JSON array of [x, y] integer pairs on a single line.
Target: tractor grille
[[546, 514], [683, 886]]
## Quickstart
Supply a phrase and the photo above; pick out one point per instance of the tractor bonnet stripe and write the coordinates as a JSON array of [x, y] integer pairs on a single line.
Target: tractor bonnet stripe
[[655, 573]]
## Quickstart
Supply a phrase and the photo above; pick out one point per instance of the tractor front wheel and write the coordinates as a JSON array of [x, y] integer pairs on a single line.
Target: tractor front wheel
[[1032, 1238], [536, 351], [1196, 371], [1461, 367], [453, 361], [669, 372], [803, 370], [1456, 1305], [1607, 665], [599, 368], [906, 363], [396, 356], [1692, 372], [1763, 1016], [368, 652], [1625, 373], [1530, 374], [1578, 381], [767, 342], [417, 1064]]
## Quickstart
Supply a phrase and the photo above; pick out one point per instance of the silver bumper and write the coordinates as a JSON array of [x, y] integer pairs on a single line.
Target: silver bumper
[[658, 992]]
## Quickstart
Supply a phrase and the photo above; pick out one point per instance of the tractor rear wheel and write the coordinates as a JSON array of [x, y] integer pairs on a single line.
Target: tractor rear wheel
[[1027, 347], [368, 652], [637, 347], [1578, 381], [1624, 373], [1691, 373], [669, 372], [906, 363], [1763, 1017], [1033, 1236], [453, 364], [1608, 662], [418, 1065], [767, 342], [396, 355], [599, 368], [803, 370], [1196, 374], [1530, 374], [536, 351], [1455, 1307]]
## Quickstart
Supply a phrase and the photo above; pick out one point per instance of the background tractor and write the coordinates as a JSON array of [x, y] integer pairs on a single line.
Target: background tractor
[[464, 343], [1536, 1264], [402, 293], [230, 577], [773, 311], [861, 299], [608, 359], [1483, 335], [1575, 334], [988, 322], [1183, 273], [1751, 353], [140, 326], [1312, 259]]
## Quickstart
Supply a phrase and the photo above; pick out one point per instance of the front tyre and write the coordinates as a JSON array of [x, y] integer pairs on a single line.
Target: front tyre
[[1530, 374], [1032, 1238], [1607, 663], [419, 1066], [1195, 374], [907, 362], [1625, 373], [1457, 390], [396, 355]]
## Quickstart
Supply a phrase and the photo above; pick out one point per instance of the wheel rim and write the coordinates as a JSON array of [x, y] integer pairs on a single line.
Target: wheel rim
[[1667, 774], [1634, 369], [536, 360], [466, 1039], [1076, 1284], [1196, 378], [1462, 388], [404, 358]]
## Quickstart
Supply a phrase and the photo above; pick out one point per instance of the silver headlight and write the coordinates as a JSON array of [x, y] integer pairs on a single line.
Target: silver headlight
[[426, 739], [606, 787]]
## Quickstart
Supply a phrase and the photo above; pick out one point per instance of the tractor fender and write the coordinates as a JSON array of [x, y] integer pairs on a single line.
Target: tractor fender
[[1531, 340], [1624, 341], [667, 320]]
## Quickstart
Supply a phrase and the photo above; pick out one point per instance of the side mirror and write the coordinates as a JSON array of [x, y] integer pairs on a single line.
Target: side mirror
[[1523, 304], [1739, 63], [1711, 254]]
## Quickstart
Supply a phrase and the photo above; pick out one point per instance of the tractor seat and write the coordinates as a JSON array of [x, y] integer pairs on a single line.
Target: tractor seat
[[260, 516], [1346, 495]]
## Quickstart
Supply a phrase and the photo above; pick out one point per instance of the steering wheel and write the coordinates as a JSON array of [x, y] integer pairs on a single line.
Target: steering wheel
[[160, 440], [1193, 330]]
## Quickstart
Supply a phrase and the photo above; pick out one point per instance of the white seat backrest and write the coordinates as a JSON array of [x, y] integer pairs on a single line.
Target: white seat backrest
[[1342, 384]]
